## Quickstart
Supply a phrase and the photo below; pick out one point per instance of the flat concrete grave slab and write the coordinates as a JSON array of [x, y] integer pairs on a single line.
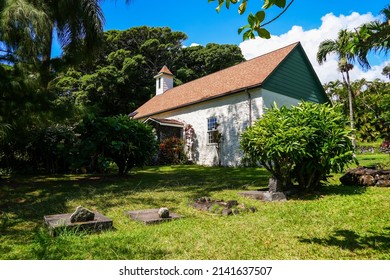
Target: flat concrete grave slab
[[150, 216], [265, 195], [58, 222]]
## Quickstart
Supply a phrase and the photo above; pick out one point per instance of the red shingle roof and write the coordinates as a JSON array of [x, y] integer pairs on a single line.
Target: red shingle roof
[[248, 74], [167, 122], [165, 70]]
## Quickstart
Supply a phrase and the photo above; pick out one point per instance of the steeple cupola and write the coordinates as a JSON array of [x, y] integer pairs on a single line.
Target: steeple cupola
[[164, 80]]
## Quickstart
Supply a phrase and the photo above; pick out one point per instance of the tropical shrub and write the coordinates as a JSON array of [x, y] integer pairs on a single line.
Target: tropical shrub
[[301, 144], [171, 151]]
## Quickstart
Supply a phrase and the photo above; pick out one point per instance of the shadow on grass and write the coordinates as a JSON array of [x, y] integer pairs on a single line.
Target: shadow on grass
[[339, 190], [350, 240], [344, 190], [24, 200]]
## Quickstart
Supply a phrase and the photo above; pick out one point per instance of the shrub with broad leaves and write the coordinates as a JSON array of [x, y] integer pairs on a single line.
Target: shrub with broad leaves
[[301, 144]]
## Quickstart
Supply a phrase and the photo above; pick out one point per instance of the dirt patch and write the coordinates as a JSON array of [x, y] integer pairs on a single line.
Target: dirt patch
[[230, 207]]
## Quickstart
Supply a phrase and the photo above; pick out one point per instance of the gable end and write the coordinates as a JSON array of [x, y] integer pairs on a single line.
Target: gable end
[[296, 78]]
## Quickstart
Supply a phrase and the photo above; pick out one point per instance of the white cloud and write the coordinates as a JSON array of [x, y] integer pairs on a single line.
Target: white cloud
[[310, 40], [192, 45]]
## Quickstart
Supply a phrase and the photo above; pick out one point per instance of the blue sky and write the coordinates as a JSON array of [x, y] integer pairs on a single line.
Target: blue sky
[[308, 21], [199, 20]]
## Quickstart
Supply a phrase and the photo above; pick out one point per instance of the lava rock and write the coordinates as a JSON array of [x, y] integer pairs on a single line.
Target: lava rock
[[227, 212], [363, 176], [82, 214], [231, 203]]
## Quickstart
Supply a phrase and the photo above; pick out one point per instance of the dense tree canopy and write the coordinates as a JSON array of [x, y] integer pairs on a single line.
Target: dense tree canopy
[[198, 61], [121, 78], [371, 103], [37, 120]]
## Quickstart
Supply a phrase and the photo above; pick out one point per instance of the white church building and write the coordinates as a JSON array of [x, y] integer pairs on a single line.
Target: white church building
[[211, 112]]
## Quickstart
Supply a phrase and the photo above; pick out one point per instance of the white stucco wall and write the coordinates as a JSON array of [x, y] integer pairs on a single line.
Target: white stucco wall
[[234, 114]]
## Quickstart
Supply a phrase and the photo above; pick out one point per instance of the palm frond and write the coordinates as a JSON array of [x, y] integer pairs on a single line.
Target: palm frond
[[326, 48]]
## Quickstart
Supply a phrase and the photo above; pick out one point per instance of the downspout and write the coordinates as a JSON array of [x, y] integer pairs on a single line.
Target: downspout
[[250, 106]]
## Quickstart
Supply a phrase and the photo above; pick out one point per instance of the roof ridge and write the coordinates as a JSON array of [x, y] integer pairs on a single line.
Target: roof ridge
[[247, 74], [228, 68], [285, 47]]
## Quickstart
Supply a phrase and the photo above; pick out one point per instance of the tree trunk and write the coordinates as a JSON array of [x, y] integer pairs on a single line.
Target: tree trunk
[[351, 111], [275, 184], [46, 58]]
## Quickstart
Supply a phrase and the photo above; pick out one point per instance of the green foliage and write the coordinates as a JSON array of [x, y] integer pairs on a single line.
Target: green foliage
[[372, 107], [346, 57], [302, 144], [171, 151], [128, 143], [371, 102], [43, 150], [27, 27], [373, 36], [198, 61], [121, 78], [25, 108], [386, 71], [50, 149], [255, 21]]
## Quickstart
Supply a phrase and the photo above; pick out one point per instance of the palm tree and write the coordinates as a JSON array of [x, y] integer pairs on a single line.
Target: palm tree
[[373, 36], [340, 47], [386, 71], [333, 90], [27, 28]]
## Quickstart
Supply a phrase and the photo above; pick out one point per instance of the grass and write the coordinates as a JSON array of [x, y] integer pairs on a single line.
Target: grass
[[374, 160], [338, 223]]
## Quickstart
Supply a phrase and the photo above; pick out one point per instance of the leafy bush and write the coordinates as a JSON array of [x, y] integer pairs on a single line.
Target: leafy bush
[[300, 144], [171, 151], [127, 143]]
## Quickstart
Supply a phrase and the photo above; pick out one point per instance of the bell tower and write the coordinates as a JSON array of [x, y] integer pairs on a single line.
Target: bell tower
[[164, 80]]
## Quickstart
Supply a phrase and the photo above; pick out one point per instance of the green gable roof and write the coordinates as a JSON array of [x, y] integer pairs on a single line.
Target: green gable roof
[[295, 77]]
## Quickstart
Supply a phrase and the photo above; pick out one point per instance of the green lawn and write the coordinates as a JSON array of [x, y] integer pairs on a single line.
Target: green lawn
[[338, 223]]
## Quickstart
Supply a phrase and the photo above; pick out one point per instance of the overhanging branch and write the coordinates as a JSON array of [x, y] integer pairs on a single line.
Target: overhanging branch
[[279, 15]]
